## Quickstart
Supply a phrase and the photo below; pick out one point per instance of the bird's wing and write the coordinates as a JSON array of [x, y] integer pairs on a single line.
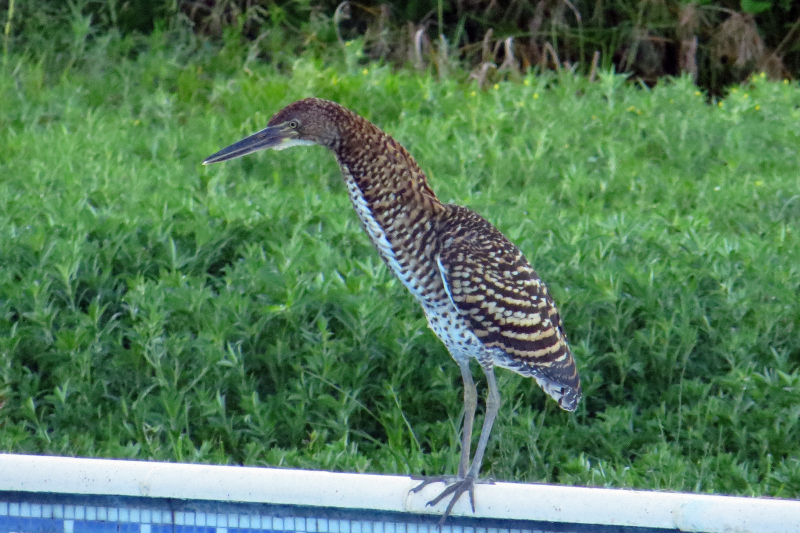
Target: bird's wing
[[494, 287]]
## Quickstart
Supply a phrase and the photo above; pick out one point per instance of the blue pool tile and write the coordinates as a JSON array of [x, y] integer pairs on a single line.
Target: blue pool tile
[[21, 524], [85, 526]]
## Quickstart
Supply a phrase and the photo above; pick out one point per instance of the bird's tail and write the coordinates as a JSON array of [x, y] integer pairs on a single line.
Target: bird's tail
[[566, 396]]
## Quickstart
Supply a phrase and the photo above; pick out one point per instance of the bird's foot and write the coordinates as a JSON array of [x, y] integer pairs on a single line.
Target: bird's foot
[[428, 480], [456, 486]]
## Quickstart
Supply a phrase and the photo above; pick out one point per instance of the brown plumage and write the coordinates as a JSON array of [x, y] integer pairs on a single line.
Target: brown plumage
[[479, 293]]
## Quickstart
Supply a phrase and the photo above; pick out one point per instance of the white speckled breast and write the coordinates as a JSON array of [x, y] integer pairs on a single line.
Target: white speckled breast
[[454, 332]]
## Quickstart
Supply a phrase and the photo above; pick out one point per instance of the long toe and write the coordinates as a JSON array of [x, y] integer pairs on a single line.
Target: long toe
[[455, 490], [428, 480]]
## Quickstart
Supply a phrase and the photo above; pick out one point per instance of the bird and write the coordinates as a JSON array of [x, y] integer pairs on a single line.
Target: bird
[[479, 293]]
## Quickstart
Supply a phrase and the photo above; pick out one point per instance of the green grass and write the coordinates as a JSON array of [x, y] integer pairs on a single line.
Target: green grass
[[153, 308]]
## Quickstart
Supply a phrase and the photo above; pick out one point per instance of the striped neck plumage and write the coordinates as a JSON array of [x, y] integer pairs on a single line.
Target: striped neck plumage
[[384, 172]]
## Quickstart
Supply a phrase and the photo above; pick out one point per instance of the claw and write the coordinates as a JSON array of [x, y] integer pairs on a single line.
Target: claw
[[456, 486]]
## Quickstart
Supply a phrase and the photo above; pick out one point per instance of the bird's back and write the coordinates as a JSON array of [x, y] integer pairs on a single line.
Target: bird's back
[[479, 293]]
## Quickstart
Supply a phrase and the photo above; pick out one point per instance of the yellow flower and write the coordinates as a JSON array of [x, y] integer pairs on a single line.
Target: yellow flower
[[535, 96], [365, 72], [697, 93], [528, 82], [758, 107], [473, 93], [759, 183], [496, 86]]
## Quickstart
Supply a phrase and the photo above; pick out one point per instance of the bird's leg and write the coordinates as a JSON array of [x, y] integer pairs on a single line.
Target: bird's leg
[[470, 404], [466, 480], [493, 402]]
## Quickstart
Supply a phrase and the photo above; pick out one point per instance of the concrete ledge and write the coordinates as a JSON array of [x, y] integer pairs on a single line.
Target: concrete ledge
[[516, 501]]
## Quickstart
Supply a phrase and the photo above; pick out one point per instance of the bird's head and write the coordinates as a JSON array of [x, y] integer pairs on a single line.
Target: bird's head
[[308, 121]]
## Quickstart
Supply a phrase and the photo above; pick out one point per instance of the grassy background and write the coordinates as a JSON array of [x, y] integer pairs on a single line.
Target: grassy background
[[152, 308]]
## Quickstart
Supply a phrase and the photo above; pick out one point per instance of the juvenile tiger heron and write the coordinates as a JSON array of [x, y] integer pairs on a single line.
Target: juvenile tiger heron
[[480, 295]]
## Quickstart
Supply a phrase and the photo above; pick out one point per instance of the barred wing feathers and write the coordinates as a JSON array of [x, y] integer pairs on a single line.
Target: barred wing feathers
[[507, 306]]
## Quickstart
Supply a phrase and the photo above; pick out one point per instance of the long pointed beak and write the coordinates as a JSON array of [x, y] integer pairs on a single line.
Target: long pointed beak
[[269, 137]]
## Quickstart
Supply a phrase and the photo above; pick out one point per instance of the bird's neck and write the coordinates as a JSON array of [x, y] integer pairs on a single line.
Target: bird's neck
[[382, 173], [397, 207]]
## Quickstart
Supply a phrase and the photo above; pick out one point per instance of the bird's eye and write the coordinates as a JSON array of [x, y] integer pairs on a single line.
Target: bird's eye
[[294, 124]]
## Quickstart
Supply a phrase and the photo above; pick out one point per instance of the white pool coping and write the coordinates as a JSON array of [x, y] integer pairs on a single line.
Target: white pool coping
[[516, 501]]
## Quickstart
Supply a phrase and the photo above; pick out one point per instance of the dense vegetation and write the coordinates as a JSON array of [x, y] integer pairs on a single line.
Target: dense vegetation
[[715, 42], [152, 308]]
